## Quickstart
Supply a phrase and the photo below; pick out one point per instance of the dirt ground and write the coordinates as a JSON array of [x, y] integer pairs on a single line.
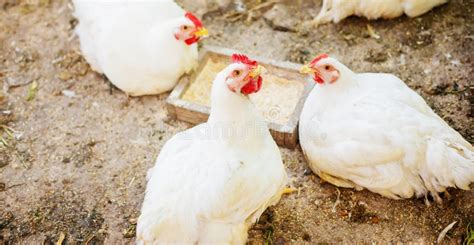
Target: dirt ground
[[77, 151]]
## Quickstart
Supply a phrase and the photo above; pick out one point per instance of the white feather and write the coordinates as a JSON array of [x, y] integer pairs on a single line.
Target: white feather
[[337, 10], [132, 43], [372, 131], [211, 182]]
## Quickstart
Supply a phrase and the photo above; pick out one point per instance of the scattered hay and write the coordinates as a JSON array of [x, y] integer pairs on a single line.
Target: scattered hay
[[469, 234], [32, 90], [445, 231], [6, 116], [130, 231], [250, 10]]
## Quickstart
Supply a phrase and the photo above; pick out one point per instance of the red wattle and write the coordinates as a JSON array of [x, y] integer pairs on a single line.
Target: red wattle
[[318, 79], [192, 40], [253, 86]]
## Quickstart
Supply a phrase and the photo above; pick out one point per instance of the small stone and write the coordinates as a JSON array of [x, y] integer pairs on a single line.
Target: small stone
[[64, 75], [343, 213], [374, 56], [306, 237], [437, 88], [69, 93], [279, 241], [279, 18], [375, 220]]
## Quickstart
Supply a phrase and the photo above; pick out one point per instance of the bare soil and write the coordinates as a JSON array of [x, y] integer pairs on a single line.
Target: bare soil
[[77, 150]]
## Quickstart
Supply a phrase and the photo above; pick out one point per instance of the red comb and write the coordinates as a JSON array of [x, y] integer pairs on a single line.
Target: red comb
[[240, 58], [318, 58], [194, 19]]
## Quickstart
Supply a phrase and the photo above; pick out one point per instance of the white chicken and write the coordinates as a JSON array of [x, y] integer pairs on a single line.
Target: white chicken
[[337, 10], [211, 182], [372, 131], [143, 47]]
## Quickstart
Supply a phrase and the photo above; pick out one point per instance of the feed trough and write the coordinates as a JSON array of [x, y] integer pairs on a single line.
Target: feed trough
[[280, 100]]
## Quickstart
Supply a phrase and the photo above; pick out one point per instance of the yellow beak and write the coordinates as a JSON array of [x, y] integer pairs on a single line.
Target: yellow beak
[[201, 32], [257, 71], [306, 70]]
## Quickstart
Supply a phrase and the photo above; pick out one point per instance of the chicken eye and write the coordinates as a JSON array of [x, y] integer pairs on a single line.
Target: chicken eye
[[237, 73], [327, 67], [185, 28]]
